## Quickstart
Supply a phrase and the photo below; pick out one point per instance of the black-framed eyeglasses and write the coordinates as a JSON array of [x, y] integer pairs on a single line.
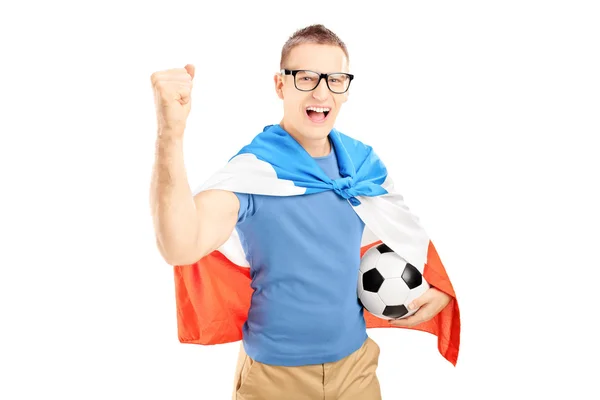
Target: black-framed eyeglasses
[[306, 80]]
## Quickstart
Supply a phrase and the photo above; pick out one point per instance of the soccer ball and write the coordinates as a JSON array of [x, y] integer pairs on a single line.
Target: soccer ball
[[387, 283]]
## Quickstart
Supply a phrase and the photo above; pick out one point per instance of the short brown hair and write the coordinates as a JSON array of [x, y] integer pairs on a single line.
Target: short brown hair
[[316, 34]]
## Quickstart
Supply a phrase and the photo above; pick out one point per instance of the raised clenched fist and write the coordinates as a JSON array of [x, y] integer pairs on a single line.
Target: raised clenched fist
[[172, 96]]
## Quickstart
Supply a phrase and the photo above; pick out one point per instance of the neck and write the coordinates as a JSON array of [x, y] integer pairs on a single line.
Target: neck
[[315, 147]]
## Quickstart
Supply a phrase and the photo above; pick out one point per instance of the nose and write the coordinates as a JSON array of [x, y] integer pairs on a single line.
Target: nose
[[321, 91]]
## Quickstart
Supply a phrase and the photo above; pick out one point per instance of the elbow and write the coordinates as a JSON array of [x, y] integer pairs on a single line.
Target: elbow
[[181, 259], [176, 261]]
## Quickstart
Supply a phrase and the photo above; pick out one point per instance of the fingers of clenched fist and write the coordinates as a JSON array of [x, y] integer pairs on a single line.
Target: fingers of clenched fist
[[172, 93], [186, 73], [173, 84]]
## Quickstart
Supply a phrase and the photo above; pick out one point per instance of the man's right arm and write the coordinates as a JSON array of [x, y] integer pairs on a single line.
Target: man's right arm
[[187, 227]]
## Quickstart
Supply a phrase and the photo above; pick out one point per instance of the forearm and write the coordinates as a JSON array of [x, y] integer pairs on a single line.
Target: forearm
[[173, 209]]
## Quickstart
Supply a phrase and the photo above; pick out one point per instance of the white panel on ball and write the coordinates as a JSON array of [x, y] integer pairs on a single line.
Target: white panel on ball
[[372, 302], [390, 265], [360, 284], [393, 291], [369, 259]]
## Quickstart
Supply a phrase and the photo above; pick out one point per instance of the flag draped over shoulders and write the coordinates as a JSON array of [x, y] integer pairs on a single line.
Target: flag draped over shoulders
[[213, 295]]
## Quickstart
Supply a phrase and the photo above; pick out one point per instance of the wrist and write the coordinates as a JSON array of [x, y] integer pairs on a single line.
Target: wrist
[[169, 137], [172, 132]]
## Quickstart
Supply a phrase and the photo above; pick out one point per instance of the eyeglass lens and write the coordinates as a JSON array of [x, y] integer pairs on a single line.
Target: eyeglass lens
[[308, 80]]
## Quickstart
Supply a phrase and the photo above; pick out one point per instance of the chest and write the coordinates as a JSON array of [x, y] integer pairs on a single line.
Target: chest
[[316, 214]]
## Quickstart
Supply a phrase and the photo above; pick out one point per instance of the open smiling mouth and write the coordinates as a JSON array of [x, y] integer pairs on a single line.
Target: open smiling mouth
[[317, 114]]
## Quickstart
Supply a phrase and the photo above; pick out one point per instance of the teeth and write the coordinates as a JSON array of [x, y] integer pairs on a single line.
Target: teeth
[[319, 109]]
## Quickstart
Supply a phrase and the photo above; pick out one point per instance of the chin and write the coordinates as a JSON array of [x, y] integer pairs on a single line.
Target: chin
[[317, 132]]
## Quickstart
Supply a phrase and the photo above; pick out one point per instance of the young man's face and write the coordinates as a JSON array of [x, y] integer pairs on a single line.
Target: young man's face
[[298, 118]]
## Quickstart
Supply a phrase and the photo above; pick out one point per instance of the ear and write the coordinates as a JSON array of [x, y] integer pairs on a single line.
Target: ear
[[278, 85]]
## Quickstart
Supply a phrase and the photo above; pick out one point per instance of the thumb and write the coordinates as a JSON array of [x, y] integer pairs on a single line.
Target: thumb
[[419, 301], [190, 70]]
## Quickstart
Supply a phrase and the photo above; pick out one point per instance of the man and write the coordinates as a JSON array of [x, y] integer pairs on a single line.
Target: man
[[305, 336]]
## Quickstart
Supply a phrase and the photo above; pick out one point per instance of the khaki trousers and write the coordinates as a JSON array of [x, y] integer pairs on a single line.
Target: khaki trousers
[[351, 378]]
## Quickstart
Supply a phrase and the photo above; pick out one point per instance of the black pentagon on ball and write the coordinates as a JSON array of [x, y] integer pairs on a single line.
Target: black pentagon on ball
[[412, 276], [395, 311], [372, 280], [384, 248]]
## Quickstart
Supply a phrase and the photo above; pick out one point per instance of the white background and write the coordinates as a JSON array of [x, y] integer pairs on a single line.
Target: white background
[[487, 114]]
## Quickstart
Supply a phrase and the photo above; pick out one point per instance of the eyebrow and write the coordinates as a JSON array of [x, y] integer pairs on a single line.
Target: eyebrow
[[316, 70]]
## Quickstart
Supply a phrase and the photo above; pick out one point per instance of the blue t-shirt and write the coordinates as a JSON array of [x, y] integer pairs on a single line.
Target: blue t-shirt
[[304, 256]]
